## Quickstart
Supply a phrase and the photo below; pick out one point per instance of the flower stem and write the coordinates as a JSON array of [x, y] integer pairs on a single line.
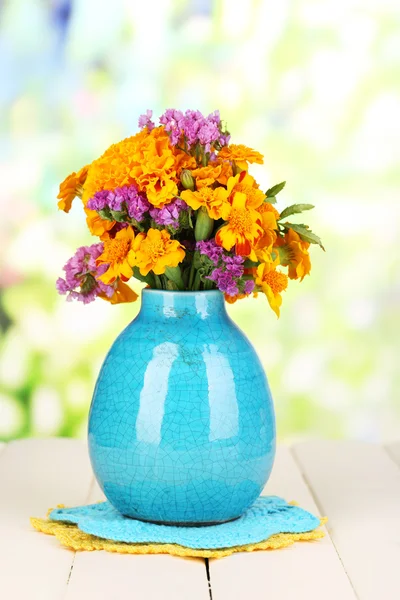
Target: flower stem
[[191, 275]]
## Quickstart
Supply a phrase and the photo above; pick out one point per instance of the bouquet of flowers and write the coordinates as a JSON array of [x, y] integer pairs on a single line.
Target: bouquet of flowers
[[174, 206]]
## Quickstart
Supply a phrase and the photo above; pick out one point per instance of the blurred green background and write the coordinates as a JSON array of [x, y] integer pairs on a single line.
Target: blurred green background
[[312, 84]]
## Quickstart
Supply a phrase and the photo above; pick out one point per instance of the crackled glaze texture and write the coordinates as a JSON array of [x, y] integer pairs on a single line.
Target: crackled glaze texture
[[181, 426]]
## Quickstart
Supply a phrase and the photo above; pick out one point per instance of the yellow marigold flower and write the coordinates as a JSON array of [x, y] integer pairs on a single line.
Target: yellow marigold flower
[[294, 254], [243, 228], [97, 225], [71, 187], [241, 155], [155, 251], [214, 200], [123, 293], [272, 283], [118, 254], [145, 159], [206, 176], [243, 182]]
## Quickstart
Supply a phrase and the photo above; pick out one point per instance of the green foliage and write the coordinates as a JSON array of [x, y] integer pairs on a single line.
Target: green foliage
[[174, 275], [275, 189], [294, 209], [305, 233]]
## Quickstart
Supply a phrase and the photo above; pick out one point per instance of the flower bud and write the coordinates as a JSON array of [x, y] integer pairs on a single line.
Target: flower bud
[[187, 180], [204, 225]]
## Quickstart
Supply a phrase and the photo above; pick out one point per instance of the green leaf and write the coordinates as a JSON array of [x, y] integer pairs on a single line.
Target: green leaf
[[305, 233], [171, 286], [149, 278], [270, 200], [174, 274], [197, 281], [189, 213], [158, 282], [275, 189], [295, 209], [184, 220], [185, 276], [208, 284]]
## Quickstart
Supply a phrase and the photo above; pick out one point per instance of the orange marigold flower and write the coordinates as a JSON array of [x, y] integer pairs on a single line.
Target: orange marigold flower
[[294, 254], [118, 255], [155, 251], [226, 172], [70, 188], [183, 161], [264, 246], [268, 207], [145, 159], [206, 176], [214, 200], [97, 225], [272, 283], [243, 228], [233, 299], [241, 155]]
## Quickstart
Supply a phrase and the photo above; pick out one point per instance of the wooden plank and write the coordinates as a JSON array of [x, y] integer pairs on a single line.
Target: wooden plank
[[309, 570], [102, 575], [36, 475], [394, 451], [358, 486]]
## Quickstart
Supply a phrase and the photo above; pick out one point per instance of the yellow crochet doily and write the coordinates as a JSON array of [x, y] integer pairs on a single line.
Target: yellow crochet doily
[[75, 539]]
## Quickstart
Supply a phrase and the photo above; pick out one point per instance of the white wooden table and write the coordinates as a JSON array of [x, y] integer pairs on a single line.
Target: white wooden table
[[356, 485]]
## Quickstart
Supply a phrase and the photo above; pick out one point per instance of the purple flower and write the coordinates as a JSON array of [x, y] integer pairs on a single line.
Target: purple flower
[[234, 264], [225, 281], [81, 274], [99, 200], [211, 249], [249, 286], [194, 128], [122, 198], [228, 271], [169, 214], [145, 120]]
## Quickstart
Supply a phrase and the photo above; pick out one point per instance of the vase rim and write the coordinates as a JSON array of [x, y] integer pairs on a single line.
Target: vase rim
[[181, 292]]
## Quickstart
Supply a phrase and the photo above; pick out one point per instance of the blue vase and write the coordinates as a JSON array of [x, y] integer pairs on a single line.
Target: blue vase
[[181, 426]]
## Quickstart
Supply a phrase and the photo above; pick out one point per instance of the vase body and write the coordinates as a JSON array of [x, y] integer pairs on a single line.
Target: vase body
[[181, 425]]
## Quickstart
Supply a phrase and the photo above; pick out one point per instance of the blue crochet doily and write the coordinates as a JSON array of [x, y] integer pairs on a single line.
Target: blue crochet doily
[[269, 515]]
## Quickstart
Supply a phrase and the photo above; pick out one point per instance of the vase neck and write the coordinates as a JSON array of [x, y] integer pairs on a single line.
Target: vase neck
[[162, 304]]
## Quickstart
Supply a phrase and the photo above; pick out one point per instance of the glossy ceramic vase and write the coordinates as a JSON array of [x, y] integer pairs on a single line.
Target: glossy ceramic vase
[[181, 426]]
